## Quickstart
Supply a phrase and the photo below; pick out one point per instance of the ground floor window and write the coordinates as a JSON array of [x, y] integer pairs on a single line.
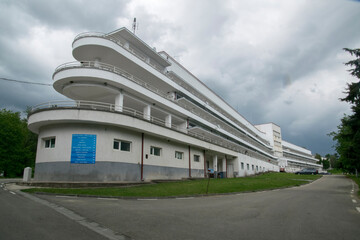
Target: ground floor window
[[252, 167], [49, 142], [242, 166], [179, 155], [155, 151], [122, 145], [196, 158], [257, 168], [248, 166]]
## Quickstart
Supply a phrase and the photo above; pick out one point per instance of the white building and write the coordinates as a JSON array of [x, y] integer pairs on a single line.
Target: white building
[[138, 115]]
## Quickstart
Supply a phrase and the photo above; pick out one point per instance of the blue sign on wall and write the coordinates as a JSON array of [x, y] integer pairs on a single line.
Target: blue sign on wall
[[83, 148]]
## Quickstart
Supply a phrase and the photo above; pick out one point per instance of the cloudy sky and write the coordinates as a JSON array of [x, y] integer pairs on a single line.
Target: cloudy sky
[[274, 61]]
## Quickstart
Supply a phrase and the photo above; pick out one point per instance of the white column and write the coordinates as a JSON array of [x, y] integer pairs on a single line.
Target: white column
[[215, 163], [224, 165], [97, 62], [168, 121], [147, 112], [183, 127], [119, 102], [171, 95]]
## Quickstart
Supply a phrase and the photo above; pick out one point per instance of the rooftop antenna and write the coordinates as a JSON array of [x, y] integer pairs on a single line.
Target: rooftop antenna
[[135, 26]]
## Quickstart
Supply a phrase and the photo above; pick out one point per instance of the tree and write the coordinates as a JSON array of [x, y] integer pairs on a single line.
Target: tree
[[326, 164], [318, 157], [333, 160], [348, 135], [17, 144]]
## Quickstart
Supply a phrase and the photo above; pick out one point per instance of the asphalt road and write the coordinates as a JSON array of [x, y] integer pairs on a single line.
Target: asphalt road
[[324, 209], [22, 218]]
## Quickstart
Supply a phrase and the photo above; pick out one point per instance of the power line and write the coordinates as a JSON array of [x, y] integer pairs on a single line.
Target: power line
[[18, 81]]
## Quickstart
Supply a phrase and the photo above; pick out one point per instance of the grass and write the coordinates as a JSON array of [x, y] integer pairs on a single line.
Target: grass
[[336, 171], [194, 187], [357, 180]]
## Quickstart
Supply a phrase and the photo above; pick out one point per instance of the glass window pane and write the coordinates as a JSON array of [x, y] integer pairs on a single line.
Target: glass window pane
[[116, 145], [52, 142], [47, 143], [125, 146], [157, 151]]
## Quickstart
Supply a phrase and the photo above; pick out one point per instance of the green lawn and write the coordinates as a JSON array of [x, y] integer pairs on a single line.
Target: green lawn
[[194, 187]]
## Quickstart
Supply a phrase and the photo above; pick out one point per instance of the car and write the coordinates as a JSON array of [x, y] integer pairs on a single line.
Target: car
[[307, 171]]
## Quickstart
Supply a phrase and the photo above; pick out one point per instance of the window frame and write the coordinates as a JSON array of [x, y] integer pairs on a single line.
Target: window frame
[[120, 145], [49, 142], [179, 155], [152, 151]]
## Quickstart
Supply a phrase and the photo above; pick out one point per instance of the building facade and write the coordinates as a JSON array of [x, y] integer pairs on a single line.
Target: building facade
[[137, 114]]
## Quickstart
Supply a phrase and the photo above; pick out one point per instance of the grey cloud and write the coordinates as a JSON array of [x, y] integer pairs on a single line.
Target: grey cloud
[[224, 43], [75, 14]]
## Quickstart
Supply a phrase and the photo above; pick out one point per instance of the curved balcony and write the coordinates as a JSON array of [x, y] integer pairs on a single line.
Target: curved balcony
[[112, 69], [36, 123], [142, 57], [128, 48], [122, 73]]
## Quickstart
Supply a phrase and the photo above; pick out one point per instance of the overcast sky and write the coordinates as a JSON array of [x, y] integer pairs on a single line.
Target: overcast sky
[[274, 61]]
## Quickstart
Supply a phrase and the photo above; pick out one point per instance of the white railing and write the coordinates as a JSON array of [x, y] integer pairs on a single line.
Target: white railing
[[100, 106], [121, 72], [122, 44], [113, 69]]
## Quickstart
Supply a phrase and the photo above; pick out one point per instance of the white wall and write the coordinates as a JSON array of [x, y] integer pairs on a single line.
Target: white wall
[[167, 157], [105, 136], [263, 166]]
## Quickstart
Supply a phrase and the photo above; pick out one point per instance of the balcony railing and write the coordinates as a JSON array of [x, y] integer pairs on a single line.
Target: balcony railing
[[100, 106], [161, 70], [305, 158], [123, 73], [113, 69], [122, 44], [107, 107], [178, 80]]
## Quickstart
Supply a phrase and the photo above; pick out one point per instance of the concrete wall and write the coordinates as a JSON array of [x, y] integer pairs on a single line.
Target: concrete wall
[[53, 164], [262, 166]]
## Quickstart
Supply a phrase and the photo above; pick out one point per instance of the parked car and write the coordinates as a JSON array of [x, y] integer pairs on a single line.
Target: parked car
[[308, 171]]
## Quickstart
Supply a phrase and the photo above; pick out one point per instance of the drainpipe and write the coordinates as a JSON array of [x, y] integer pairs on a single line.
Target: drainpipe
[[142, 156], [226, 166], [189, 163], [205, 170]]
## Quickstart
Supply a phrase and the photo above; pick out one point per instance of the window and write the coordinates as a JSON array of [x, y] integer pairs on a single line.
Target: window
[[252, 167], [49, 143], [178, 155], [242, 166], [155, 151], [196, 158], [257, 168], [122, 145], [247, 166]]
